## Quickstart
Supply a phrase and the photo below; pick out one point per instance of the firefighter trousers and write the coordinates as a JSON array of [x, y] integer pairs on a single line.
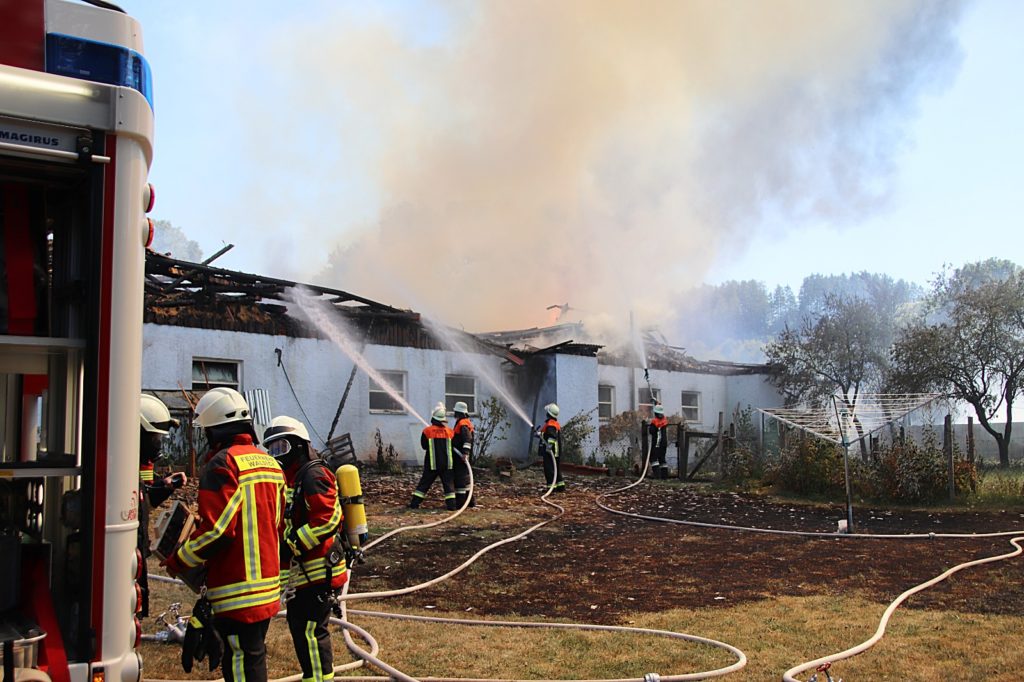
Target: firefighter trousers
[[549, 471], [462, 481], [245, 649], [308, 613], [427, 480], [659, 469]]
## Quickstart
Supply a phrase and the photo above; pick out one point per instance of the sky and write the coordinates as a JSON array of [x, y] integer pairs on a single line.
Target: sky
[[481, 161]]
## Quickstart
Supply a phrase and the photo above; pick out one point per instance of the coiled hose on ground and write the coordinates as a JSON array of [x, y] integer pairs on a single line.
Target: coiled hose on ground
[[1016, 540], [394, 673]]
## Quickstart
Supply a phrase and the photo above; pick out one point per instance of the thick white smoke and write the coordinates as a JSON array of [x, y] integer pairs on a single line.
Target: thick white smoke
[[524, 153]]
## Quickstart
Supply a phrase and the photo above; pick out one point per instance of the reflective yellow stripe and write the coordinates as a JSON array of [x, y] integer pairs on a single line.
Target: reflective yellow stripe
[[225, 591], [317, 573], [448, 447], [430, 449], [306, 537], [246, 601], [189, 552], [311, 536], [250, 541], [314, 651], [237, 659]]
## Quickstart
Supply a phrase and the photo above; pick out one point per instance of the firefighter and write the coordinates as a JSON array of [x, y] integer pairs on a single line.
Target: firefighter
[[241, 503], [462, 444], [312, 553], [436, 441], [550, 434], [155, 423], [657, 432]]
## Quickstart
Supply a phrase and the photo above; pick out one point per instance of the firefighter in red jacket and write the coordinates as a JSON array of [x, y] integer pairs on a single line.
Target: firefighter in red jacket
[[312, 555], [436, 441], [241, 503], [462, 445], [550, 434], [657, 435], [155, 422]]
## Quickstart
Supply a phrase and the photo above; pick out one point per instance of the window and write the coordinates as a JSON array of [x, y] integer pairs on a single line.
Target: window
[[380, 399], [458, 388], [605, 402], [649, 396], [207, 374], [691, 406]]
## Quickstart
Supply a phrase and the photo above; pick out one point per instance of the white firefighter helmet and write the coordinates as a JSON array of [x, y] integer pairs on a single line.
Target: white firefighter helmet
[[154, 415], [659, 410], [440, 413], [222, 406], [552, 410], [461, 407], [285, 426]]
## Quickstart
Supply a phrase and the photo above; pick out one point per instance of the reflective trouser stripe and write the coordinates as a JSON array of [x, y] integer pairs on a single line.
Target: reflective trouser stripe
[[237, 659], [314, 652], [419, 494], [449, 496]]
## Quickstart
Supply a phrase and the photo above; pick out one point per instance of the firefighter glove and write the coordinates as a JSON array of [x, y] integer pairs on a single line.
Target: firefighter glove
[[213, 646], [191, 646], [200, 626]]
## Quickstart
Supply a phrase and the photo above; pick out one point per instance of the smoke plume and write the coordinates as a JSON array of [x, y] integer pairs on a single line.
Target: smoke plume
[[506, 156]]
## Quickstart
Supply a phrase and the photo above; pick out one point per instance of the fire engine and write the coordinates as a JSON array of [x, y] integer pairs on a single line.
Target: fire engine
[[76, 131]]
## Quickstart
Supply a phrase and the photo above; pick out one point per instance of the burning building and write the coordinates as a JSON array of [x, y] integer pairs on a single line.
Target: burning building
[[205, 326]]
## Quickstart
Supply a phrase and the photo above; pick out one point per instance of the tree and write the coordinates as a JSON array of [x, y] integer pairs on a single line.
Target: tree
[[493, 425], [970, 343], [842, 352], [172, 240]]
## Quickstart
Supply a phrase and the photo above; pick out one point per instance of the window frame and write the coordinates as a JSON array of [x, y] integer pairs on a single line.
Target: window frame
[[450, 404], [207, 385], [684, 406], [654, 395], [610, 402], [402, 391]]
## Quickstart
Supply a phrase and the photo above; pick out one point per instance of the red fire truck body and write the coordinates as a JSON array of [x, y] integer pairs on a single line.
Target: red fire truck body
[[76, 131]]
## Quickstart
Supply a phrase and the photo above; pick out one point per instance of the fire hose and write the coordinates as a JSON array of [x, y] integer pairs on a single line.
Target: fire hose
[[393, 673], [1016, 540]]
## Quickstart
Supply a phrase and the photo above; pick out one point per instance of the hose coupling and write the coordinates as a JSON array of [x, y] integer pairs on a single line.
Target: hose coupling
[[652, 677]]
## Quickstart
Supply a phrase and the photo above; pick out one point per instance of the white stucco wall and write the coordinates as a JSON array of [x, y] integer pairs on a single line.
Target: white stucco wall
[[576, 388], [318, 373]]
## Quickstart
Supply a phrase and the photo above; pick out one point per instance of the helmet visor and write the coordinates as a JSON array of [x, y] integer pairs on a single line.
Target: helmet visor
[[279, 448]]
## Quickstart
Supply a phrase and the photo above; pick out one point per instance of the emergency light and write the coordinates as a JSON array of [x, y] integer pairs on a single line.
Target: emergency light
[[100, 62]]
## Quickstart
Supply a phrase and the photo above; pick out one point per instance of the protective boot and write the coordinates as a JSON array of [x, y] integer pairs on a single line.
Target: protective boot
[[663, 473], [449, 504], [472, 501], [460, 499], [414, 503]]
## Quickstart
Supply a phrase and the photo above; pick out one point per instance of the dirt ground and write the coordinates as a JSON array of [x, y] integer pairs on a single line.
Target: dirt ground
[[594, 566]]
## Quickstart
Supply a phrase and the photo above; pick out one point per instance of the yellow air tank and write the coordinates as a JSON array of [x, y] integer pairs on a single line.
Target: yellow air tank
[[352, 504]]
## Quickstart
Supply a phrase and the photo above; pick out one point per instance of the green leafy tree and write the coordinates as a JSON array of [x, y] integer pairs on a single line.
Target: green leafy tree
[[970, 344], [843, 352]]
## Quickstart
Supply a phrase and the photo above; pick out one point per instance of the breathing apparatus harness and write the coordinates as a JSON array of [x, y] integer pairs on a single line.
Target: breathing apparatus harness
[[339, 551]]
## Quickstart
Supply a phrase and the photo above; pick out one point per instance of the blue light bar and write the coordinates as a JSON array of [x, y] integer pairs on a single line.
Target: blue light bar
[[101, 62]]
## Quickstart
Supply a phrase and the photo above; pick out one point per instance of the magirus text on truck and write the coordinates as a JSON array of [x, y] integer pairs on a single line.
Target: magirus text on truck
[[76, 132]]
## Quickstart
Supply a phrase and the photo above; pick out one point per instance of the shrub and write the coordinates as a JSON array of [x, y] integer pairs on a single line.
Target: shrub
[[912, 472], [810, 466], [387, 458], [575, 433], [493, 425]]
